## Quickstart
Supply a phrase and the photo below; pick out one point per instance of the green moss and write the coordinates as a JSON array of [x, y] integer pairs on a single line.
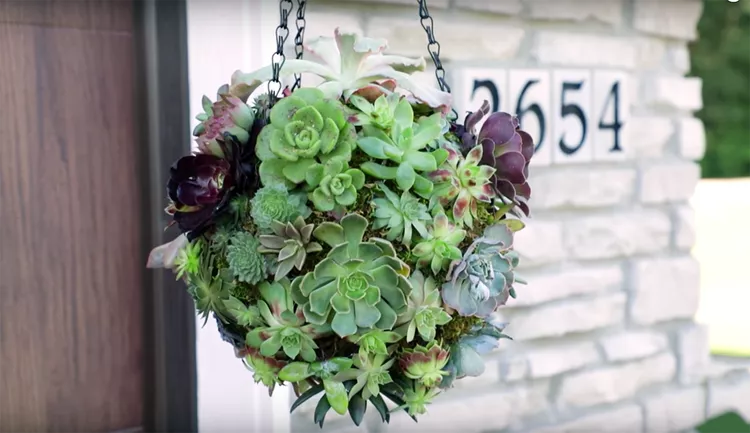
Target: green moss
[[245, 292], [456, 328]]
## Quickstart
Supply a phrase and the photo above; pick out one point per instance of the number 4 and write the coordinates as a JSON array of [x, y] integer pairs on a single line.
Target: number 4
[[614, 98]]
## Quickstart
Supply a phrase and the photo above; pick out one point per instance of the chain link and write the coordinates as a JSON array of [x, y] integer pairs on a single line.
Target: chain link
[[299, 38], [278, 58], [433, 46]]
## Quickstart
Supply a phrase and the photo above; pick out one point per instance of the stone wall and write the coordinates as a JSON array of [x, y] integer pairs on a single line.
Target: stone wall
[[604, 333]]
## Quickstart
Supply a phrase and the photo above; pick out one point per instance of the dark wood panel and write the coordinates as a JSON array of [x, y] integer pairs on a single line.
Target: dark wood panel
[[71, 262], [114, 15]]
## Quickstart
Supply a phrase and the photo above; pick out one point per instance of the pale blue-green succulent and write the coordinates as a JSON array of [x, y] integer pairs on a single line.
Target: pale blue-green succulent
[[481, 280], [362, 283]]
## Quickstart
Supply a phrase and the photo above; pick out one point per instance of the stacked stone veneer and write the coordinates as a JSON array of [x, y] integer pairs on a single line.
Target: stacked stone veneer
[[605, 339]]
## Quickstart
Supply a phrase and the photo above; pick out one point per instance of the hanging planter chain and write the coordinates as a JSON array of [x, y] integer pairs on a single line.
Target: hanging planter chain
[[299, 39], [278, 58], [433, 46]]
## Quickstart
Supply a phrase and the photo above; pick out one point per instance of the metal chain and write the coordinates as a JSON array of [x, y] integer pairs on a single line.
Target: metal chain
[[299, 39], [433, 46], [278, 58]]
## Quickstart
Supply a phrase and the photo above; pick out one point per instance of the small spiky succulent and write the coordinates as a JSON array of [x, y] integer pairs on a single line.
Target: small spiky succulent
[[265, 369], [400, 214], [291, 242], [370, 372], [440, 246], [382, 113], [274, 203], [245, 262], [417, 397], [424, 312], [375, 342]]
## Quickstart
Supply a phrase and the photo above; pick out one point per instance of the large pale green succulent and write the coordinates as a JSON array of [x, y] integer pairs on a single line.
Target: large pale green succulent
[[305, 129], [424, 312], [285, 328], [481, 280], [348, 63], [440, 247], [335, 184], [274, 203], [401, 215], [291, 242], [463, 182], [362, 283], [406, 147]]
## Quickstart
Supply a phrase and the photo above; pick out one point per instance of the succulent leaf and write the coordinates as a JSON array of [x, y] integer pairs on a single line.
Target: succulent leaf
[[291, 242], [274, 202], [440, 247], [245, 262], [401, 215]]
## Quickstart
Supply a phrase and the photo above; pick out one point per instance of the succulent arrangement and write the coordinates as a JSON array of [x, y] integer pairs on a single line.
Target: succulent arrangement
[[353, 239]]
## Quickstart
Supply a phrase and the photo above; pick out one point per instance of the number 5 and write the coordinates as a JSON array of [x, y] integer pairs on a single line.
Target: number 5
[[574, 110]]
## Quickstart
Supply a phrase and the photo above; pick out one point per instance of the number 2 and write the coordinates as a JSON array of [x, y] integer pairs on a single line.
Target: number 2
[[492, 88]]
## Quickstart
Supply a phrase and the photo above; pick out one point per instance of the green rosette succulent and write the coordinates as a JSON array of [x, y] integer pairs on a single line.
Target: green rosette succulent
[[305, 129], [481, 280], [383, 112], [375, 341], [286, 329], [406, 146], [401, 215], [440, 247], [416, 398], [464, 183], [370, 372], [335, 184], [425, 363], [424, 312], [363, 284], [291, 242], [265, 369], [274, 203]]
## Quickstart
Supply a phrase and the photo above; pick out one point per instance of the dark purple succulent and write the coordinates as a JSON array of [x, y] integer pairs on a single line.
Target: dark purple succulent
[[508, 149], [466, 133], [200, 186]]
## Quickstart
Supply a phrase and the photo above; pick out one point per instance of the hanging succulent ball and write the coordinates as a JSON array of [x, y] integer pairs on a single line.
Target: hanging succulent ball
[[351, 239]]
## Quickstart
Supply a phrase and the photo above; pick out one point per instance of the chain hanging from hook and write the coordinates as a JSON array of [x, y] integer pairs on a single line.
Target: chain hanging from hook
[[433, 46], [278, 58], [299, 38]]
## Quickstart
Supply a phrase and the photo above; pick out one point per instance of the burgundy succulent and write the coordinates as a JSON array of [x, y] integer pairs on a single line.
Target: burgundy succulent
[[508, 149], [197, 186], [200, 186]]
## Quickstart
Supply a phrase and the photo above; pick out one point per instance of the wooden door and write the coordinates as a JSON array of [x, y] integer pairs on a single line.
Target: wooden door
[[71, 250]]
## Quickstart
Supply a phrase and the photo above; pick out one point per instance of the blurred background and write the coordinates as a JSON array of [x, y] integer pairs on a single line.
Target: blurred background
[[636, 313]]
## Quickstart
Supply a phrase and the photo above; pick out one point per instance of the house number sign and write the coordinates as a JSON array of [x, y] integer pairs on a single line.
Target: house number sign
[[575, 116]]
